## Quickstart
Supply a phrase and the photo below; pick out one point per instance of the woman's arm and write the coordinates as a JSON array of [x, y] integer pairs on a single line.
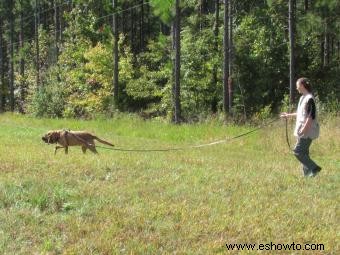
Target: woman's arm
[[304, 129], [311, 109], [287, 115]]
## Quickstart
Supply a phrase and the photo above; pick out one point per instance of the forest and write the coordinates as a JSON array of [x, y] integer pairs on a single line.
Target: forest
[[178, 60]]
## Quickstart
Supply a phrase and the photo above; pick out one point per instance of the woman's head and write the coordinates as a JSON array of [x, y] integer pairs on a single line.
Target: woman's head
[[304, 82]]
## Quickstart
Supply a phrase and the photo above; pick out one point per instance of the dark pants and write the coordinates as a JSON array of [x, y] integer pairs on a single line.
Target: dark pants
[[301, 152]]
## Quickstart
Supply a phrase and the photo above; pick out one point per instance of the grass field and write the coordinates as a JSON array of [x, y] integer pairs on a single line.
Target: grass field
[[193, 201]]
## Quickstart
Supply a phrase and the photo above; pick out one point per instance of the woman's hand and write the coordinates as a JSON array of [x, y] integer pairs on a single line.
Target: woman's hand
[[284, 115], [301, 132]]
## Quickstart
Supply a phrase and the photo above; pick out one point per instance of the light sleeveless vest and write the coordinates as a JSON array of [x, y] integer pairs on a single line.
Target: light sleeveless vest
[[301, 118]]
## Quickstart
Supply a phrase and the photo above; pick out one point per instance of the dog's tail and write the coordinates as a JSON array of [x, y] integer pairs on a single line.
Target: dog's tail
[[102, 141]]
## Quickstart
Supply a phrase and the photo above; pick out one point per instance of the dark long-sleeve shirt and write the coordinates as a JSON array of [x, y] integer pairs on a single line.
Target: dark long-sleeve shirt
[[311, 108]]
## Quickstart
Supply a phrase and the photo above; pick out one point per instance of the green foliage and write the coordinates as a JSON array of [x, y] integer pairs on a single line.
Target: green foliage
[[163, 9], [98, 76], [264, 113], [331, 105], [81, 25], [285, 107], [80, 83], [198, 61], [153, 76], [50, 99], [72, 62], [86, 69], [262, 59]]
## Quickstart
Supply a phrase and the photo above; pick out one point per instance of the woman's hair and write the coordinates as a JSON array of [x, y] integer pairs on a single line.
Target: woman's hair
[[305, 82]]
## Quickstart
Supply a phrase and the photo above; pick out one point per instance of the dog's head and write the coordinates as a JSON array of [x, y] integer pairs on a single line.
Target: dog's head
[[51, 137]]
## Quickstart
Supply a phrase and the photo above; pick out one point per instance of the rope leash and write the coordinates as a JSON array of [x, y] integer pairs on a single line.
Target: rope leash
[[192, 146], [287, 137]]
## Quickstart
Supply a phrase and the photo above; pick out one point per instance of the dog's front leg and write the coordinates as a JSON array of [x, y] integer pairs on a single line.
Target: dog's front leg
[[66, 149], [56, 148]]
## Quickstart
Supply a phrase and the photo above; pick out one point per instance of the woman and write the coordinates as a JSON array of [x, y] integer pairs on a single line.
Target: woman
[[307, 127]]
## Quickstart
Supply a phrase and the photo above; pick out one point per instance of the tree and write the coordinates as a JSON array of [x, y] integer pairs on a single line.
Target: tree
[[291, 51], [2, 63], [141, 25], [177, 63], [214, 72], [225, 57], [22, 59], [201, 13], [306, 5], [115, 80], [56, 28], [55, 43], [11, 55], [230, 56], [36, 38]]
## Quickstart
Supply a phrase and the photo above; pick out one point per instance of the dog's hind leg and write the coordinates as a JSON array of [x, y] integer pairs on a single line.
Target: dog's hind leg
[[93, 149], [66, 149]]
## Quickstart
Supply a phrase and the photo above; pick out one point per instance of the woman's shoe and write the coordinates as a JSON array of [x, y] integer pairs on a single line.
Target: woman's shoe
[[315, 171]]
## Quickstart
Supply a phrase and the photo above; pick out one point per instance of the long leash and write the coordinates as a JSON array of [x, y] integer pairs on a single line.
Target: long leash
[[287, 136], [192, 146]]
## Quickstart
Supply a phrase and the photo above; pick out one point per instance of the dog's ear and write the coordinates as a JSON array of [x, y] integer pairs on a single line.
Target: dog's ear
[[54, 137], [48, 137]]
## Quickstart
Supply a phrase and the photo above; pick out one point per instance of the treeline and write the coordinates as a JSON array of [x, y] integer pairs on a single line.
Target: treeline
[[81, 58]]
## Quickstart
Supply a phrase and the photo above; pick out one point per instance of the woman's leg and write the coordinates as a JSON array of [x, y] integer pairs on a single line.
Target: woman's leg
[[301, 152]]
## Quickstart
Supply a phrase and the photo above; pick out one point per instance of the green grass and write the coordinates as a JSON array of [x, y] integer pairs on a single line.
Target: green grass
[[194, 201]]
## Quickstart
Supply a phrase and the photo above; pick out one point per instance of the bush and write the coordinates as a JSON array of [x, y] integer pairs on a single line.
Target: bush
[[331, 105], [49, 101]]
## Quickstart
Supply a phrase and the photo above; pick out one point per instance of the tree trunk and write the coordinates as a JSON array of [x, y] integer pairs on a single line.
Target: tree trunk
[[230, 56], [56, 28], [115, 55], [201, 14], [333, 48], [214, 71], [225, 58], [11, 57], [326, 45], [2, 69], [22, 63], [124, 17], [36, 37], [306, 6], [132, 30], [141, 26], [43, 14], [291, 23], [61, 23], [148, 29], [177, 63], [322, 50], [216, 24], [70, 5]]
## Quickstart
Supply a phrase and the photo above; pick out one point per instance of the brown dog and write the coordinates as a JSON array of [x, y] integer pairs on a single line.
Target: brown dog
[[67, 138]]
